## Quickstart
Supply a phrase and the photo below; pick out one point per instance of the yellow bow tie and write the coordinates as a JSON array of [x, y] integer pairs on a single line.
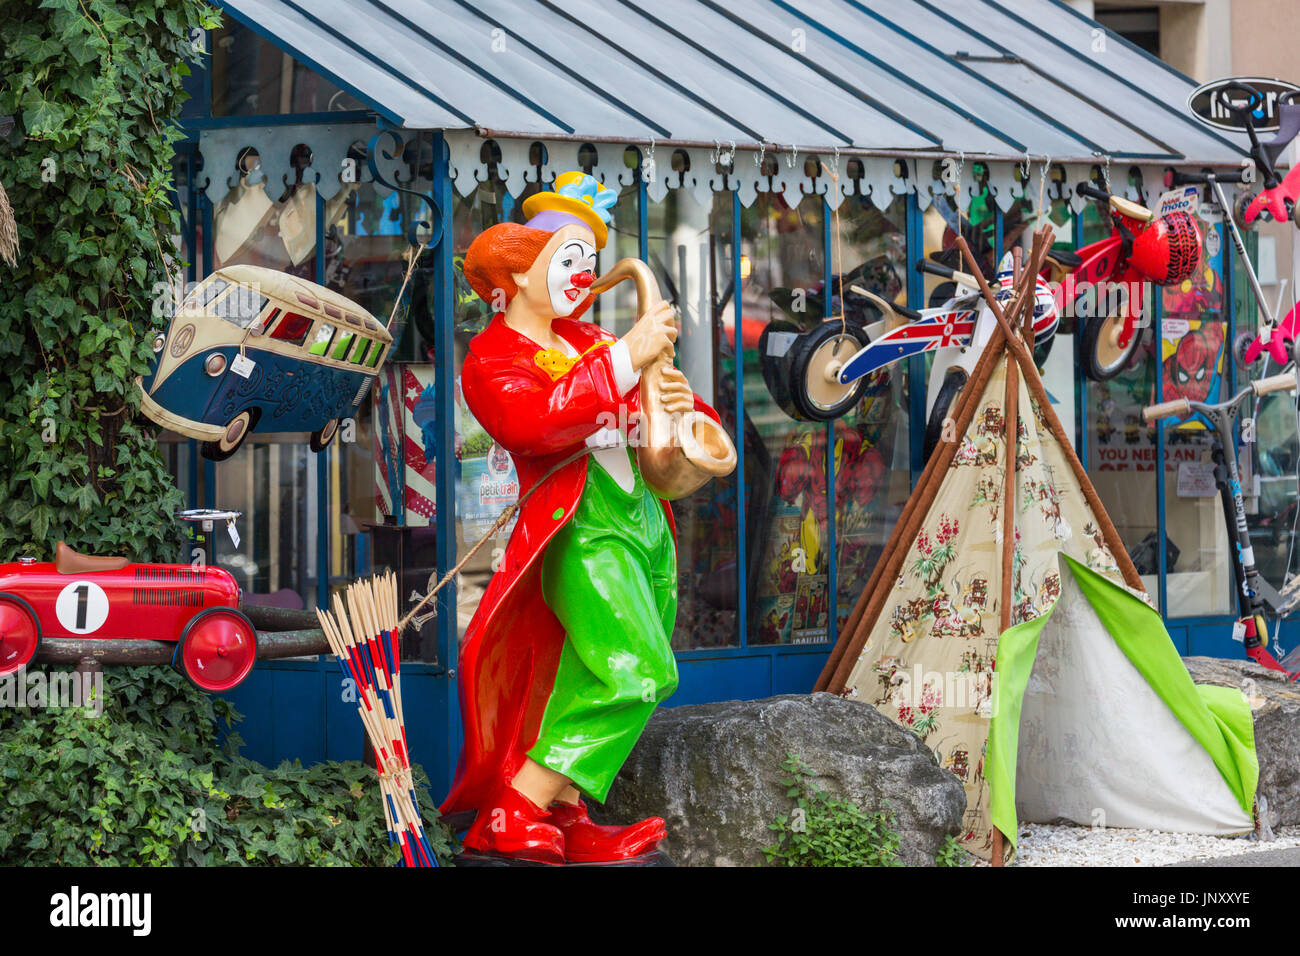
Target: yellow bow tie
[[556, 364]]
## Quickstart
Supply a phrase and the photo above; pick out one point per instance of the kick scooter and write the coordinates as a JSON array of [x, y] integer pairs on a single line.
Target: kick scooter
[[1254, 595]]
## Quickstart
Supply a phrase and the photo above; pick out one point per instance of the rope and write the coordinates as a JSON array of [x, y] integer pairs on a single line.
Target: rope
[[502, 520], [412, 257]]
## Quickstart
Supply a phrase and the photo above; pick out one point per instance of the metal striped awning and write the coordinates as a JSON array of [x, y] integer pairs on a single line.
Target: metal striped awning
[[997, 79]]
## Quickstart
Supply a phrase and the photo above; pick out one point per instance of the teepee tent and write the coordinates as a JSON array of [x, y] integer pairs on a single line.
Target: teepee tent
[[1006, 625]]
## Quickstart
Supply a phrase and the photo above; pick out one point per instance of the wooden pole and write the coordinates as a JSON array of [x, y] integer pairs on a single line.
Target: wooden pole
[[1024, 284]]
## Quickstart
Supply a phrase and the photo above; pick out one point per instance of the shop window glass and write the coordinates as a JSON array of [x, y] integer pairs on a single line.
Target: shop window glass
[[1055, 359], [1269, 465], [382, 467], [1194, 353], [691, 250], [943, 221], [872, 448], [486, 480], [252, 77], [272, 479], [1121, 448], [783, 272]]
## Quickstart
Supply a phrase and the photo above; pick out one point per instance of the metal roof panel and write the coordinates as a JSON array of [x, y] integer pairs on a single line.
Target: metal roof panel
[[873, 74]]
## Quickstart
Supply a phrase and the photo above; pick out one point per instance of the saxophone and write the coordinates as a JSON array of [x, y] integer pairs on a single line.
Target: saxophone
[[676, 454]]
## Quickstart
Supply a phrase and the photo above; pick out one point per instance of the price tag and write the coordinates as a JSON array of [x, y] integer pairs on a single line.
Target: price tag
[[1239, 632], [243, 366], [234, 534], [1183, 199], [778, 343]]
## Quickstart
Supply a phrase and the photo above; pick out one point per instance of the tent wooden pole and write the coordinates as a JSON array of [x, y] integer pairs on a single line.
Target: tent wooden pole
[[845, 653], [1011, 423], [1021, 306], [1024, 358], [1104, 525], [835, 673]]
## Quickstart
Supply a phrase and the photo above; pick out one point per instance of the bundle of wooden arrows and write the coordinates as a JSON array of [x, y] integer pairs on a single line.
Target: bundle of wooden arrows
[[362, 631]]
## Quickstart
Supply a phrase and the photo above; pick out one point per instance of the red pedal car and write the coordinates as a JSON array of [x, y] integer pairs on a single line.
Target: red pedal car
[[81, 597]]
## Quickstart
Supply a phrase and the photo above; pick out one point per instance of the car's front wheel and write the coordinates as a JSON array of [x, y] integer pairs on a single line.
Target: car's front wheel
[[217, 649], [236, 431], [20, 634]]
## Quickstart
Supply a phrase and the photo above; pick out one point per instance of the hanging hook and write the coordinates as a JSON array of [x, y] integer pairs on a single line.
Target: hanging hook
[[762, 150], [374, 151], [714, 154], [648, 163], [794, 154]]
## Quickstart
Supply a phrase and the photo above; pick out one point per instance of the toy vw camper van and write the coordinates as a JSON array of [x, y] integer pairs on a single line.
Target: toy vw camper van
[[253, 348]]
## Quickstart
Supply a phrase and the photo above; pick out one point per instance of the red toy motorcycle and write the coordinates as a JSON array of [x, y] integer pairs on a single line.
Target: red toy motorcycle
[[83, 597], [1141, 248]]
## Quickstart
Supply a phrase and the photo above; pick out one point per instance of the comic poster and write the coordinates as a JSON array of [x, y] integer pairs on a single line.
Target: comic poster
[[1193, 333], [1191, 363], [808, 624]]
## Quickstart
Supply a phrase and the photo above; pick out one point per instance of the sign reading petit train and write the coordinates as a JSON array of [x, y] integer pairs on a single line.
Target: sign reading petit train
[[1208, 104]]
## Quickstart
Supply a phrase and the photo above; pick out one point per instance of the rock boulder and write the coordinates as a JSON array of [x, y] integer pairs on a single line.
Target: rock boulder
[[1275, 703], [713, 772]]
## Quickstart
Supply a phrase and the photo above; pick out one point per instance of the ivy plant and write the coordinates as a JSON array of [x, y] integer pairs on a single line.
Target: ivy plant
[[149, 782], [822, 830], [951, 853], [94, 87]]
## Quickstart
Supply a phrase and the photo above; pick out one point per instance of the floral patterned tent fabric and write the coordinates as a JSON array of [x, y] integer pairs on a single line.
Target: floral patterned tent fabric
[[924, 640]]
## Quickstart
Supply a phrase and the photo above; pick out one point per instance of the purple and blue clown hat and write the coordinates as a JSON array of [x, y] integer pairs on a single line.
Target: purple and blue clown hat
[[577, 199]]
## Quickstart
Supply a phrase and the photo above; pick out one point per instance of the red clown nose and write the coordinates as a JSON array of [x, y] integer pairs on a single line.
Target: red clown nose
[[582, 280]]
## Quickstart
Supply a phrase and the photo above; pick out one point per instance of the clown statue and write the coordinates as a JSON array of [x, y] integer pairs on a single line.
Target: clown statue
[[569, 652]]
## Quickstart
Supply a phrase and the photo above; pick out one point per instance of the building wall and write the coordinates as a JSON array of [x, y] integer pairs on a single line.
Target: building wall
[[1263, 38]]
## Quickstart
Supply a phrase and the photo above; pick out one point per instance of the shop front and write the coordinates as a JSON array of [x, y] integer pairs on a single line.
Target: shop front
[[333, 158]]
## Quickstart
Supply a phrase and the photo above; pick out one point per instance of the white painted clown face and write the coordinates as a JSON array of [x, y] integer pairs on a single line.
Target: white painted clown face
[[570, 273]]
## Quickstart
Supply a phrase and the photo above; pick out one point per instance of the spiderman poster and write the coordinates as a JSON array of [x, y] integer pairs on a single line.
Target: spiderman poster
[[1193, 333]]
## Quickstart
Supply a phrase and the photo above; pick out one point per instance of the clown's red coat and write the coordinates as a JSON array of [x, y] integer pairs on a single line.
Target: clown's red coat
[[512, 645]]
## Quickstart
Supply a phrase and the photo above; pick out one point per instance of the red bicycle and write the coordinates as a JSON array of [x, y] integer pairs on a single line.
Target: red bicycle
[[1106, 287]]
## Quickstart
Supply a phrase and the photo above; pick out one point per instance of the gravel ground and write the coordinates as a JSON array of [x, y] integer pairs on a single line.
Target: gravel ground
[[1043, 844]]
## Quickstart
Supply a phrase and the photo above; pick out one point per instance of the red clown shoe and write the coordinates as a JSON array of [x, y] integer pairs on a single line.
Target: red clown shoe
[[513, 826], [588, 842]]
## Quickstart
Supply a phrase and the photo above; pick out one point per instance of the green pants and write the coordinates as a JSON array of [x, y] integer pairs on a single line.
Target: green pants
[[610, 576]]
